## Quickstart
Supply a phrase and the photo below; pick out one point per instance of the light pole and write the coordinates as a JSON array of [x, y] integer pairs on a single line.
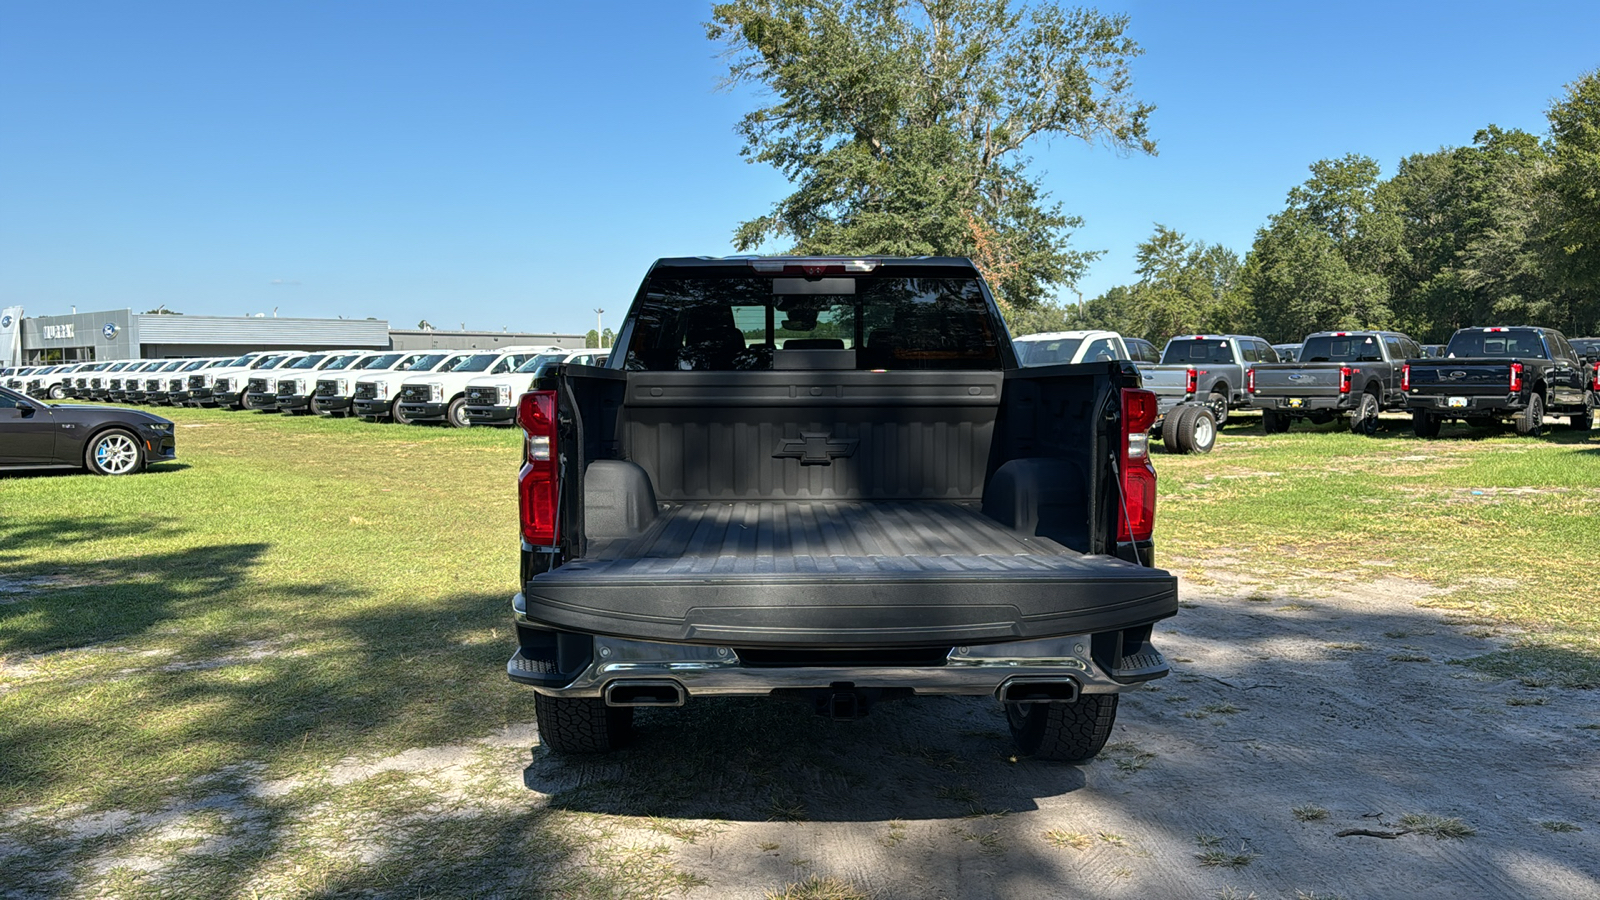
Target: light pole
[[600, 328]]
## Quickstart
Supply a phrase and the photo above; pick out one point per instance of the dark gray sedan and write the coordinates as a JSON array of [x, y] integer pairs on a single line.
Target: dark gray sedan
[[105, 440]]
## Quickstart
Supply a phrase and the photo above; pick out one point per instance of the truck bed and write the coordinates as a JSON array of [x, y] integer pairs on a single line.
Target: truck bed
[[895, 574]]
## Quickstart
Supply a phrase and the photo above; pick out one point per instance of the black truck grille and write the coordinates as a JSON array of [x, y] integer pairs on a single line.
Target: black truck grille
[[221, 384], [414, 393], [196, 381], [116, 384], [327, 389], [483, 396], [152, 384], [366, 390], [286, 388], [257, 386], [175, 384]]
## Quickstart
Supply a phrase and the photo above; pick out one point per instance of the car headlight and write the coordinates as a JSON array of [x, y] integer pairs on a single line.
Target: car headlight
[[162, 427], [294, 386], [342, 385], [436, 392], [383, 390], [504, 394]]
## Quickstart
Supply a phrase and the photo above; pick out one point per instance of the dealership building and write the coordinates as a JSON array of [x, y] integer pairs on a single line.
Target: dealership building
[[125, 334]]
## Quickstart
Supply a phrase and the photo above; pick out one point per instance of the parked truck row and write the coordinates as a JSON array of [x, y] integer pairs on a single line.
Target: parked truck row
[[405, 387]]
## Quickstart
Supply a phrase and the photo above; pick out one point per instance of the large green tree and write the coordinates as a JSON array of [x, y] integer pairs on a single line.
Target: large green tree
[[905, 127], [1574, 180], [1321, 263], [1184, 286]]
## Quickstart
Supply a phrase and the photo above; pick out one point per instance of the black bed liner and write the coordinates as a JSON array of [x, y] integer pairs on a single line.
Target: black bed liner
[[898, 574]]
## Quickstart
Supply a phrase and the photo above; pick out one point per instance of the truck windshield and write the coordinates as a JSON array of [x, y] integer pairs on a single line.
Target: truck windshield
[[307, 362], [378, 362], [427, 363], [1183, 351], [540, 361], [1044, 353], [1348, 348], [753, 323], [1523, 342], [478, 362], [341, 362]]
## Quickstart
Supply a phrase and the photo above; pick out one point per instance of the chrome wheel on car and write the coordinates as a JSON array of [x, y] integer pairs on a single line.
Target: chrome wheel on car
[[114, 453]]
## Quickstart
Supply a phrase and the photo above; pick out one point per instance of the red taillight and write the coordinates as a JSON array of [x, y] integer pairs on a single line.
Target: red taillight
[[539, 483], [1192, 382], [1596, 385], [1250, 381], [1137, 520], [1344, 379], [1405, 377], [1516, 377]]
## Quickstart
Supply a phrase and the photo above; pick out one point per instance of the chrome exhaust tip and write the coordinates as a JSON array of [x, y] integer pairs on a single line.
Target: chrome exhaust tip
[[1037, 689], [644, 693]]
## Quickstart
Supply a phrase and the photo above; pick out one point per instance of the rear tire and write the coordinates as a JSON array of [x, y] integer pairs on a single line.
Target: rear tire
[[1424, 425], [1275, 422], [1364, 418], [1584, 421], [1066, 732], [1175, 433], [1530, 422], [1218, 404], [577, 725]]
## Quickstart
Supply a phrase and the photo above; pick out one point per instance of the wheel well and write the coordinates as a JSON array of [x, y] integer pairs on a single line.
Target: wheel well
[[1221, 387], [1374, 389]]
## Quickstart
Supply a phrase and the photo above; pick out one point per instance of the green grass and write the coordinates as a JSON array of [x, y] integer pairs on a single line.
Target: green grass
[[1495, 526]]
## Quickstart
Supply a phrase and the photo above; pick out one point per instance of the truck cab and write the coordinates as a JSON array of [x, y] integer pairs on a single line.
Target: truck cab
[[1056, 347]]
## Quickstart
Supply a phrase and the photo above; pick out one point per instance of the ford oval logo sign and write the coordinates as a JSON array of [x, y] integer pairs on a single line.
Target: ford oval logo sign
[[1457, 374], [110, 331], [1296, 377], [5, 321]]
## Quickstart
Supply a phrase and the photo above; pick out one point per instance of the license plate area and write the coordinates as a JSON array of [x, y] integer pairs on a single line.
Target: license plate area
[[1457, 403], [1296, 402]]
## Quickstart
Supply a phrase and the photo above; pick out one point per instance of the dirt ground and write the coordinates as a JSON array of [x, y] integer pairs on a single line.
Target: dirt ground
[[1285, 722]]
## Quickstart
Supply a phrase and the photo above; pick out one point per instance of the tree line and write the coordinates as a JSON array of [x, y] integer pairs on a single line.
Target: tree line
[[1503, 231], [905, 127]]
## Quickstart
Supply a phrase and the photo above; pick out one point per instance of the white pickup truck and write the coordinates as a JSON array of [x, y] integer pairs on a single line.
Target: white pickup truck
[[336, 391], [441, 395], [378, 396], [492, 399], [223, 378], [297, 385]]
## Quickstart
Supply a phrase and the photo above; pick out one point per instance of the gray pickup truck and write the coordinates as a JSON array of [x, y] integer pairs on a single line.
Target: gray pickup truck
[[1201, 372], [1355, 374], [829, 480]]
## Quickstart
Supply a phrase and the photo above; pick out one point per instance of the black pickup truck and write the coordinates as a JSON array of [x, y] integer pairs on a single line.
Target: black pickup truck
[[1355, 374], [828, 480], [1493, 374]]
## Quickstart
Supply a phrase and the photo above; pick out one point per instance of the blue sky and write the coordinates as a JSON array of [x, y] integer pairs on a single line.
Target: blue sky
[[518, 164]]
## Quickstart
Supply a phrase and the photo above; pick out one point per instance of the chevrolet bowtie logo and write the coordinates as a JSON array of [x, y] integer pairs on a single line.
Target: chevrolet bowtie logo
[[815, 448]]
